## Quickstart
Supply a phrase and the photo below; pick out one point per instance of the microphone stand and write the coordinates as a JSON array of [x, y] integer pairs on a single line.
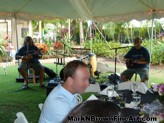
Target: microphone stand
[[115, 60]]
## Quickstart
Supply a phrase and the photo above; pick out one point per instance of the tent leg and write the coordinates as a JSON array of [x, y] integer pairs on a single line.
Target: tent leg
[[151, 40], [16, 36]]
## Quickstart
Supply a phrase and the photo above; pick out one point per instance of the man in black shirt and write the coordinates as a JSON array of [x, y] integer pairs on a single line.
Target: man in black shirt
[[137, 61]]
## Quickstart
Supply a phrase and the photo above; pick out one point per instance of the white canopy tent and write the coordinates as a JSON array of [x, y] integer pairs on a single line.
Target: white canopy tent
[[100, 10], [112, 10]]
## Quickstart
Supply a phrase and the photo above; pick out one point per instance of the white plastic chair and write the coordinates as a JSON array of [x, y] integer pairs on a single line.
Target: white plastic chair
[[20, 118], [79, 98], [40, 105]]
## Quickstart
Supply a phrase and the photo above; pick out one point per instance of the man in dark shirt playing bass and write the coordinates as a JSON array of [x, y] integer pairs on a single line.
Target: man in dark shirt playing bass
[[137, 61]]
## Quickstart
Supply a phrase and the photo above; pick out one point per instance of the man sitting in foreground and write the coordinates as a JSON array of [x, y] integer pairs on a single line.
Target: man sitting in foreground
[[63, 97]]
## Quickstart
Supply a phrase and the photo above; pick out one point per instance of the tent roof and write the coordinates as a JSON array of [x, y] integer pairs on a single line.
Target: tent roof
[[112, 10]]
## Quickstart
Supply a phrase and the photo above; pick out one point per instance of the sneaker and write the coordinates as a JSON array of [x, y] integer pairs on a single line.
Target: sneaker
[[25, 87], [42, 86]]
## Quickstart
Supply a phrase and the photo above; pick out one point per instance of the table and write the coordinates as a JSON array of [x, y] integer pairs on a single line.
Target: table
[[126, 112]]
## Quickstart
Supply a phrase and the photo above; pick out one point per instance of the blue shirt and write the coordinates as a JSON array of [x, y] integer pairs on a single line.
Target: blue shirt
[[23, 51], [137, 54], [57, 105]]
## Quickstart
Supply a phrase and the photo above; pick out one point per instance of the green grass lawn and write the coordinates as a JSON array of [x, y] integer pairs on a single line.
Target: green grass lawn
[[25, 101]]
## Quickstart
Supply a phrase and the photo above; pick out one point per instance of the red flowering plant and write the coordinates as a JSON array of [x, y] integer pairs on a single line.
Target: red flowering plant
[[58, 45]]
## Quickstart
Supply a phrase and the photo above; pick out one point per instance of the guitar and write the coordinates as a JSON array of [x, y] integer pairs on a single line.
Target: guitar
[[30, 55], [27, 58], [130, 62]]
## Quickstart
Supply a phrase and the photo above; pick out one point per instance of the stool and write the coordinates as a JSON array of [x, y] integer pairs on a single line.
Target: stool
[[31, 76], [135, 76]]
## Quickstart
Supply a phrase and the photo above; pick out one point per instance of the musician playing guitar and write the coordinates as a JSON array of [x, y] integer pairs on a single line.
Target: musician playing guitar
[[30, 55], [137, 61]]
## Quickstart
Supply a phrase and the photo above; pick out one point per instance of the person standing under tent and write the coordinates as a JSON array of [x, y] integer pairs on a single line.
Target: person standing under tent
[[11, 50]]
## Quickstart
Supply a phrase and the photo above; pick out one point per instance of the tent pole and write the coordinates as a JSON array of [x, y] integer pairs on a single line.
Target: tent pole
[[148, 30], [151, 40], [16, 34], [81, 33], [99, 31], [40, 31], [101, 34], [105, 40], [16, 31], [152, 29], [69, 29], [131, 33], [30, 28]]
